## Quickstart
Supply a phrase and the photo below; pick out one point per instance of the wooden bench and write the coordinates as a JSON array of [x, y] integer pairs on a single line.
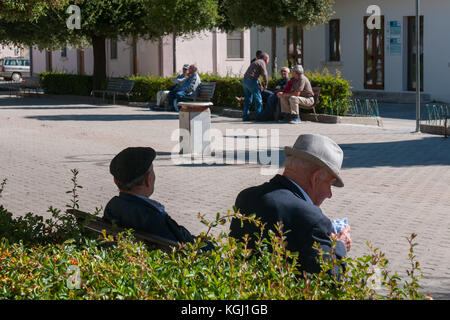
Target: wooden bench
[[116, 87], [29, 85], [96, 225], [316, 91], [205, 92]]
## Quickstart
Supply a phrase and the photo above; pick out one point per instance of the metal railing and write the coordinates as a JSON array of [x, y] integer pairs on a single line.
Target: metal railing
[[364, 108], [436, 114]]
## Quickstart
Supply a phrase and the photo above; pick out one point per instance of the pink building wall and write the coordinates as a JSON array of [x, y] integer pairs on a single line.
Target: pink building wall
[[208, 50]]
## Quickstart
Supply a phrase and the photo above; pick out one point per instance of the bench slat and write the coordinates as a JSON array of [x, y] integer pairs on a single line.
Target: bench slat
[[97, 225]]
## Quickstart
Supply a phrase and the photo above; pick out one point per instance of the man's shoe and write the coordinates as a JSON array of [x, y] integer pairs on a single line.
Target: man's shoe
[[285, 118], [295, 120]]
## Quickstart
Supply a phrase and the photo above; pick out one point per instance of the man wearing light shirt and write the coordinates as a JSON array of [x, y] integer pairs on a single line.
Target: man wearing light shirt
[[178, 81]]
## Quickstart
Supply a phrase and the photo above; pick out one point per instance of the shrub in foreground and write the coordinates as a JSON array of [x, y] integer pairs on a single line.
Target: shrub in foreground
[[120, 268]]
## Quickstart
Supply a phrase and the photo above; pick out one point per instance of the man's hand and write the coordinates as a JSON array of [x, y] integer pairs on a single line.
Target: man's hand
[[279, 94], [344, 236]]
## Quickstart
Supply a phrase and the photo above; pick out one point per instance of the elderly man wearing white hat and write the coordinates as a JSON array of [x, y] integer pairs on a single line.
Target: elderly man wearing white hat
[[300, 95], [178, 81], [312, 166]]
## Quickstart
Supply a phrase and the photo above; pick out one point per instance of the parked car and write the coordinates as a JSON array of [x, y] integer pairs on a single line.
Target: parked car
[[14, 68]]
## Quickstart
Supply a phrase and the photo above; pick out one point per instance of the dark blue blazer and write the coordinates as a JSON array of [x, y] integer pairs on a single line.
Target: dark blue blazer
[[129, 211], [281, 200]]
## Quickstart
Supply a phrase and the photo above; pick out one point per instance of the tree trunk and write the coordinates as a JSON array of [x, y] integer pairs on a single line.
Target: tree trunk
[[31, 61], [98, 44], [174, 50], [135, 56], [274, 52]]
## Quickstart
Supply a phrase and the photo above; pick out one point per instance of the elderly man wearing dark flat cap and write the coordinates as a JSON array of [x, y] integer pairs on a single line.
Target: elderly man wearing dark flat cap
[[133, 174], [312, 166]]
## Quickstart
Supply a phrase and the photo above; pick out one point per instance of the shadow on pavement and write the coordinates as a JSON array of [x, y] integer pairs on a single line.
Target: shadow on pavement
[[104, 117], [425, 152], [16, 101], [52, 108], [401, 111]]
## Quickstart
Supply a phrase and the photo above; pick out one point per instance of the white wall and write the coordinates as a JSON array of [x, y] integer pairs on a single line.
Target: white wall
[[208, 50], [232, 67], [39, 61], [351, 13], [68, 64]]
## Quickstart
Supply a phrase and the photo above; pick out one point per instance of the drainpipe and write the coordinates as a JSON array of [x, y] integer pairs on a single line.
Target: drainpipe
[[418, 66]]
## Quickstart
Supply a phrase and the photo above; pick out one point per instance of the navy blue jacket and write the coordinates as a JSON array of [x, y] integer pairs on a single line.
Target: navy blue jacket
[[129, 211], [281, 200]]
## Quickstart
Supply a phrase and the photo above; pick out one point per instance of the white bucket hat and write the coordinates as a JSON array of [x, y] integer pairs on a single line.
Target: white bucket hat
[[319, 150]]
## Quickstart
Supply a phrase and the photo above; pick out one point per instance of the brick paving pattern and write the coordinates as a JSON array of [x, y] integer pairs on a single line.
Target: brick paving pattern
[[396, 182]]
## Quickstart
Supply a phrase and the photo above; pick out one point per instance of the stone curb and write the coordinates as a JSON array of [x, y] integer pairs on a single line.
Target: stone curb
[[326, 118], [434, 129]]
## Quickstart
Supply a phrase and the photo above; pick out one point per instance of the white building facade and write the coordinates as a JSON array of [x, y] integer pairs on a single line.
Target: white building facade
[[374, 60], [212, 52]]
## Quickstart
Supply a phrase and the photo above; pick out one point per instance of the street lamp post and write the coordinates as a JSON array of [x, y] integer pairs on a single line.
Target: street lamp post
[[418, 84]]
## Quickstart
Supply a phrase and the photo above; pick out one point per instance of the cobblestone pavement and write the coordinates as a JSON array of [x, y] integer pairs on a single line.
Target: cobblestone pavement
[[396, 182]]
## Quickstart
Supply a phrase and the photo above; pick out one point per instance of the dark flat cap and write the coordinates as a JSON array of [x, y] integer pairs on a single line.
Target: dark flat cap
[[131, 163]]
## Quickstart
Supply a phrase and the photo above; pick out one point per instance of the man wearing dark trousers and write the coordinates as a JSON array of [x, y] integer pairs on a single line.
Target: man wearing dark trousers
[[294, 198], [252, 88]]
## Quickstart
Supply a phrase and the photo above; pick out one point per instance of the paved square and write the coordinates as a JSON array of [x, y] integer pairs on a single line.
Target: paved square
[[396, 182]]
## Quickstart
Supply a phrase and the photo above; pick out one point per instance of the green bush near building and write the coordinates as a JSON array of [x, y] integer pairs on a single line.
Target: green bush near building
[[65, 83], [335, 90]]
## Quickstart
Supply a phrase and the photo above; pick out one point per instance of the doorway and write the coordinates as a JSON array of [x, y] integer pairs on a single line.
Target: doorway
[[374, 56]]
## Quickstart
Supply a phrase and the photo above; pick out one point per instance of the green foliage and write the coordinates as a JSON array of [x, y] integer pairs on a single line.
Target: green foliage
[[335, 92], [32, 229], [64, 83], [19, 10], [145, 88], [267, 13], [53, 260]]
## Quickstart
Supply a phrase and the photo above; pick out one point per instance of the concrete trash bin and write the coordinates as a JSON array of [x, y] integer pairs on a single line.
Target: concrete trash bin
[[195, 125]]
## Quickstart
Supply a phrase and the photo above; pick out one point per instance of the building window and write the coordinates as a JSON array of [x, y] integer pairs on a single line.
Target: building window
[[412, 53], [334, 40], [235, 45], [373, 56], [294, 45], [113, 49], [64, 52]]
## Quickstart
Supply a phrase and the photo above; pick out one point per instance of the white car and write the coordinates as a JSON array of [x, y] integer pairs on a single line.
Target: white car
[[14, 68]]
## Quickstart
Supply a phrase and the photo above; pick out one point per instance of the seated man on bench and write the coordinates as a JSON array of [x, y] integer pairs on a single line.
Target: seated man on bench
[[187, 89], [178, 81], [133, 174]]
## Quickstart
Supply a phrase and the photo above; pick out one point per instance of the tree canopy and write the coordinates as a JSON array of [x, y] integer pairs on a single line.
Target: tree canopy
[[269, 13], [43, 23]]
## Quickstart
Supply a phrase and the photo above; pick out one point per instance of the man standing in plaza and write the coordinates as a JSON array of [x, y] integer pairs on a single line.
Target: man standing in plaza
[[300, 95], [294, 198], [252, 89]]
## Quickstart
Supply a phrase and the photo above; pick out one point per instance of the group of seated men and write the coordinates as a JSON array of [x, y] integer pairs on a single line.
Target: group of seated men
[[185, 84], [284, 102], [312, 166]]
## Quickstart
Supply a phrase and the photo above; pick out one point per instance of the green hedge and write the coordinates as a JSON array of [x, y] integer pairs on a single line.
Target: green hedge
[[335, 90], [64, 83], [54, 260]]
